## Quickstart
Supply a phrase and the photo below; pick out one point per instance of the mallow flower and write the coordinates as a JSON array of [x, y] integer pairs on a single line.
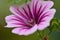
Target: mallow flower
[[30, 17]]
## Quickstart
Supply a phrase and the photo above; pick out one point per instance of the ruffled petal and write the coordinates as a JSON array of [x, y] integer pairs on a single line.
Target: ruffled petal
[[41, 5], [45, 19], [46, 5], [24, 31], [12, 21]]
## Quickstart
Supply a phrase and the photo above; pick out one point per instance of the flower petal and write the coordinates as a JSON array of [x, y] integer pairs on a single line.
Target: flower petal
[[43, 4], [47, 5], [45, 19], [39, 6], [11, 20], [18, 11], [24, 31]]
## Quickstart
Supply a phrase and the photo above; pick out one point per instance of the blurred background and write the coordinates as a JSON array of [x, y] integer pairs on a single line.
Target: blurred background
[[5, 33]]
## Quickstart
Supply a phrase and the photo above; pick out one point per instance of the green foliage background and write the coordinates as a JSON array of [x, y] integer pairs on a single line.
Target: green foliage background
[[5, 33]]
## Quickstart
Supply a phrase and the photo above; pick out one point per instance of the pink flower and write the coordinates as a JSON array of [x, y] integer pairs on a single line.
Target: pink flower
[[30, 17]]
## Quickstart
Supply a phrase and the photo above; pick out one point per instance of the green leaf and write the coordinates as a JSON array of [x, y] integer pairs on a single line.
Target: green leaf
[[55, 24], [43, 33], [16, 1]]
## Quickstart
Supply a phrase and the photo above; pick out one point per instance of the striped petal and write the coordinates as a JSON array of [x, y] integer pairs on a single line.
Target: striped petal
[[13, 21], [24, 31], [45, 19]]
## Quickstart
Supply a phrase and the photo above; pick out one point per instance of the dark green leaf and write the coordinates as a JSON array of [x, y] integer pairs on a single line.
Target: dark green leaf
[[55, 25]]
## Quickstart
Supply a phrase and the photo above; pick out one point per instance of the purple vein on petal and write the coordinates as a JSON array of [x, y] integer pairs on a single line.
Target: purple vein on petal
[[25, 25], [38, 12], [21, 24], [39, 9], [27, 14], [20, 13], [26, 22], [33, 11], [35, 14], [43, 16], [42, 11], [31, 15], [35, 7], [22, 20], [17, 20], [17, 12]]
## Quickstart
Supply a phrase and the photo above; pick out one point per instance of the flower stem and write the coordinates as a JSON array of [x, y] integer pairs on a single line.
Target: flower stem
[[39, 36], [45, 37]]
